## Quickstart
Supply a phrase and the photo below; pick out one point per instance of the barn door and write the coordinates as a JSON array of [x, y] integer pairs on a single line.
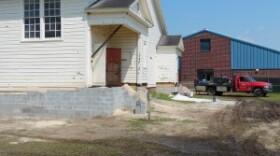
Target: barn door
[[113, 67]]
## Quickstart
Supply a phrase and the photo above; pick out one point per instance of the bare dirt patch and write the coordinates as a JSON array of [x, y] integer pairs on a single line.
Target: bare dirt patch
[[193, 129], [254, 122]]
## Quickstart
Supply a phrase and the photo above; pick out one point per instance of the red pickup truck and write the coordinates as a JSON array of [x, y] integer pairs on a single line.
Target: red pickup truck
[[238, 84]]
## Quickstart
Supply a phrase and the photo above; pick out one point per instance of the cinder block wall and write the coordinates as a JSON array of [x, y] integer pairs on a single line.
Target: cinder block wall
[[80, 103]]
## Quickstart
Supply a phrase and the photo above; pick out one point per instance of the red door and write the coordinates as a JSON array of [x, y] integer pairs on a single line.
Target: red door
[[113, 66]]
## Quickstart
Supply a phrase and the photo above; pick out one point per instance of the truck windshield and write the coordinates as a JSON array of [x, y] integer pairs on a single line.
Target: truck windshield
[[251, 79]]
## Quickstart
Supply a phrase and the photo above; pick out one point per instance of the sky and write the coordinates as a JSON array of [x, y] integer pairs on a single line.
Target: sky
[[255, 21]]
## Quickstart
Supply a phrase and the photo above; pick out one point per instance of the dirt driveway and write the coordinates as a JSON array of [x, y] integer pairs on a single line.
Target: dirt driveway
[[191, 129]]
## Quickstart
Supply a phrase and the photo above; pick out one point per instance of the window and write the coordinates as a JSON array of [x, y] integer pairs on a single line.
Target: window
[[32, 18], [52, 18], [45, 23], [247, 79], [205, 45]]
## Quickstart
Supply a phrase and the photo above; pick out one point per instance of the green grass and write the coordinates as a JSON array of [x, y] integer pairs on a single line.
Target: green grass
[[97, 148], [271, 97], [166, 97], [188, 121], [161, 96], [140, 124]]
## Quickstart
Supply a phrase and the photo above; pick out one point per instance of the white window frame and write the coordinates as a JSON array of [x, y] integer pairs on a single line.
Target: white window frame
[[42, 25]]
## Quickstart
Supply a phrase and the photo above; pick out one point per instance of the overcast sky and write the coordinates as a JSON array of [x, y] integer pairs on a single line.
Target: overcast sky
[[256, 21]]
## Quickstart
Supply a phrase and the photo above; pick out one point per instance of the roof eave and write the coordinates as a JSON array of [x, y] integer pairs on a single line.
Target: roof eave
[[171, 46], [135, 16], [106, 10], [120, 10], [161, 17]]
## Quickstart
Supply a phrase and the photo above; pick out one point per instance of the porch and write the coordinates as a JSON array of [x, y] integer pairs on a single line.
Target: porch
[[115, 62], [119, 38]]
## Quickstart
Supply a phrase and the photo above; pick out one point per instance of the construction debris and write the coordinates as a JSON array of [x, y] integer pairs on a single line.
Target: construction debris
[[180, 97], [185, 91]]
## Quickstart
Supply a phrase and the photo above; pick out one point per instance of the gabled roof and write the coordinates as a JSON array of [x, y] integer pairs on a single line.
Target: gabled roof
[[231, 38], [126, 4], [100, 4], [169, 40]]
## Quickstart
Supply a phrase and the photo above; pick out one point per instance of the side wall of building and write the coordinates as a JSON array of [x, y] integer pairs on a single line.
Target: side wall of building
[[167, 65], [155, 34], [218, 58], [59, 63], [247, 56]]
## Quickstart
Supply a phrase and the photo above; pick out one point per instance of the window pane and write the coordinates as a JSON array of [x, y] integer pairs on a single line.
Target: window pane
[[58, 20], [58, 34], [32, 35], [47, 27], [52, 18], [26, 34], [58, 26], [38, 34], [32, 18], [38, 27], [205, 45]]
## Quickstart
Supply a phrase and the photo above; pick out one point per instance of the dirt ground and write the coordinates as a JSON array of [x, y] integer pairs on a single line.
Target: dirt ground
[[193, 129]]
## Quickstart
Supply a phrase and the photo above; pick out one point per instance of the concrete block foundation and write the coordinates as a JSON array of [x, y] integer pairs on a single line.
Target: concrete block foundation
[[80, 103]]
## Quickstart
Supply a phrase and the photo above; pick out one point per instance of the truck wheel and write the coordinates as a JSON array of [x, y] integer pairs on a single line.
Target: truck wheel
[[220, 93], [258, 93], [212, 91]]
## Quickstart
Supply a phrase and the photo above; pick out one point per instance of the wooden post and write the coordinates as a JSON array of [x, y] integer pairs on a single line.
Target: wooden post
[[149, 104]]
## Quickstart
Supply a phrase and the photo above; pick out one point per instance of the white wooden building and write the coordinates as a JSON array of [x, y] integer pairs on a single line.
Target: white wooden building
[[81, 43], [169, 52]]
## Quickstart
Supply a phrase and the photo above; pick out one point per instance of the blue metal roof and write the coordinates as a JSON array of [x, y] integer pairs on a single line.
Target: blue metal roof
[[231, 38]]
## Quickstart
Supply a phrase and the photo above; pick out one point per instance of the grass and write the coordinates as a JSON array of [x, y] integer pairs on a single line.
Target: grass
[[188, 121], [166, 97], [161, 96], [140, 124], [97, 148], [271, 97]]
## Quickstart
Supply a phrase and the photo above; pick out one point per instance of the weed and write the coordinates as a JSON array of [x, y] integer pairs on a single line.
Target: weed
[[102, 147], [140, 124]]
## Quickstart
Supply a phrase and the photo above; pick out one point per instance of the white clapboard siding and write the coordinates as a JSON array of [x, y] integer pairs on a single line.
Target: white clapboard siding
[[167, 65], [58, 63], [154, 36]]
